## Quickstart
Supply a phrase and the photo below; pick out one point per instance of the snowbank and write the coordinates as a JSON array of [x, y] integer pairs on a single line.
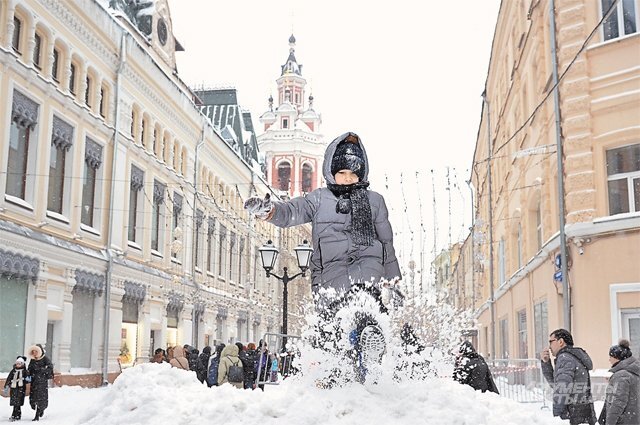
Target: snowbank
[[158, 394]]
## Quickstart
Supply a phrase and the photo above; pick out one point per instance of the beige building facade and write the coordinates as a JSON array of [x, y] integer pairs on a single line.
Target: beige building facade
[[121, 220], [515, 176]]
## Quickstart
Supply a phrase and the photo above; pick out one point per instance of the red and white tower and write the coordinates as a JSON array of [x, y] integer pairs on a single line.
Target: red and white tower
[[291, 142]]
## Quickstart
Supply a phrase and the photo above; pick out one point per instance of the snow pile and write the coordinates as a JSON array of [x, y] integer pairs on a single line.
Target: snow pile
[[158, 394]]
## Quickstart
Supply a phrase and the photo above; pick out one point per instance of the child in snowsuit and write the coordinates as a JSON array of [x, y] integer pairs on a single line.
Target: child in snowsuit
[[351, 234], [274, 368], [16, 386]]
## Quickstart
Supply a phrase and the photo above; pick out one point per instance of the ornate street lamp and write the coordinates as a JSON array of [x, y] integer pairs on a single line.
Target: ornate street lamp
[[268, 256]]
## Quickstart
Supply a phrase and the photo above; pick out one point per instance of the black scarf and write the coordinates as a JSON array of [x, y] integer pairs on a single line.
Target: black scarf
[[353, 198]]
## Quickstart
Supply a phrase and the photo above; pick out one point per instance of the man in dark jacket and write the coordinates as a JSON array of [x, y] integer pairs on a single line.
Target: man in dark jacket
[[570, 379], [471, 369], [203, 363], [41, 370]]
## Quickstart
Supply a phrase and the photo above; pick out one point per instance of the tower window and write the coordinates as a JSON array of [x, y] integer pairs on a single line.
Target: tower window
[[285, 122], [284, 176]]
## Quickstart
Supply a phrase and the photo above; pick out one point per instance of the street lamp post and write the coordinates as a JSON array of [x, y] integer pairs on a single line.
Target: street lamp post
[[268, 256]]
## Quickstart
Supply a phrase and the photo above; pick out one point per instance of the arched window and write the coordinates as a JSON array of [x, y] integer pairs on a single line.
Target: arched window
[[284, 176], [307, 176]]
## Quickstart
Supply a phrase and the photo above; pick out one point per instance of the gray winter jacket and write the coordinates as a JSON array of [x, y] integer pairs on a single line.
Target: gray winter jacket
[[337, 262], [570, 379], [622, 402]]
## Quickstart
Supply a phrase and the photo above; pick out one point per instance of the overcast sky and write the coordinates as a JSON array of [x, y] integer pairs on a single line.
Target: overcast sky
[[406, 75]]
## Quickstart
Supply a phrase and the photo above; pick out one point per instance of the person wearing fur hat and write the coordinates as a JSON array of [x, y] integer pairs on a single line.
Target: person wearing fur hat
[[16, 387], [351, 233], [41, 370], [622, 399]]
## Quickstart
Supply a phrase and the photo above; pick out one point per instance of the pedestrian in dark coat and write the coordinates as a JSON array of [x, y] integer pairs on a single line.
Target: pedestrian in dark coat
[[41, 370], [569, 379], [214, 363], [203, 363], [351, 234], [249, 361], [471, 369], [622, 400], [16, 386]]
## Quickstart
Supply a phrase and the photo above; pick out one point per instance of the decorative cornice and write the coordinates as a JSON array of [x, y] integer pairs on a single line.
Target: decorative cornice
[[92, 154], [24, 111], [137, 178], [92, 283], [82, 31], [223, 313], [61, 133], [134, 292], [176, 301], [16, 265]]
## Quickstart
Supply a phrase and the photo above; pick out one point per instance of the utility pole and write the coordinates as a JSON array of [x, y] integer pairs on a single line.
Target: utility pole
[[566, 296]]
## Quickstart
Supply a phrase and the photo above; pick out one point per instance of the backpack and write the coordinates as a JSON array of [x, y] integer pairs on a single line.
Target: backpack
[[235, 374], [212, 376]]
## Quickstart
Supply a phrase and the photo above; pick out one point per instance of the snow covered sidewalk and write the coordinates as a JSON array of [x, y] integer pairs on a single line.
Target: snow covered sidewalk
[[157, 394]]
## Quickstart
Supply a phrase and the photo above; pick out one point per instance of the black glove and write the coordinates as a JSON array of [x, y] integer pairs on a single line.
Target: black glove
[[259, 207]]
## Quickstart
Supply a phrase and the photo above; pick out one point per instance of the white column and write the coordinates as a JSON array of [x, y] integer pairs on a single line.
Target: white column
[[115, 328], [121, 187]]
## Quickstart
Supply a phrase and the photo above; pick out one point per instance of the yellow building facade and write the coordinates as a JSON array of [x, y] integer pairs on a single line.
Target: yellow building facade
[[515, 240]]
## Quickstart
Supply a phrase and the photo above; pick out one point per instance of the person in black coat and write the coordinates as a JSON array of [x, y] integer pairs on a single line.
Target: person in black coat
[[203, 363], [249, 362], [41, 370], [471, 369], [16, 387]]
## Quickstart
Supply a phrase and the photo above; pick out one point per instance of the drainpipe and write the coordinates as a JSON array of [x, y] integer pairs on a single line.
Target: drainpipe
[[194, 336], [491, 294], [566, 295], [108, 274], [473, 257]]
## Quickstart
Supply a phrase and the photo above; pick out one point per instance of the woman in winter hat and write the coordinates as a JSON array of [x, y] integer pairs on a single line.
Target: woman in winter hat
[[41, 370], [622, 399], [16, 386], [351, 234]]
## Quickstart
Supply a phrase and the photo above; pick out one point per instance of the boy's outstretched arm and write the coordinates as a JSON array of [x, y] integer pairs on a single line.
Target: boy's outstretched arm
[[295, 211]]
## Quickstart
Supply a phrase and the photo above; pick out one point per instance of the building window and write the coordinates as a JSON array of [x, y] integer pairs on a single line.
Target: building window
[[61, 140], [156, 215], [13, 309], [622, 21], [87, 93], [221, 248], [37, 55], [523, 351], [240, 259], [82, 328], [175, 222], [541, 326], [502, 268], [24, 116], [623, 179], [103, 102], [55, 65], [210, 240], [17, 34], [284, 176], [232, 256], [72, 79], [631, 327], [285, 122], [196, 245], [93, 160], [504, 339], [137, 182], [307, 178]]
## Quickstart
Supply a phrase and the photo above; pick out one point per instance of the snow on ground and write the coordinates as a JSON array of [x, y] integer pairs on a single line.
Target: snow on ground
[[158, 394]]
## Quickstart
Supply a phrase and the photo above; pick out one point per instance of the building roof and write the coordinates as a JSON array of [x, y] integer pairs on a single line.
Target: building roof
[[234, 123]]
